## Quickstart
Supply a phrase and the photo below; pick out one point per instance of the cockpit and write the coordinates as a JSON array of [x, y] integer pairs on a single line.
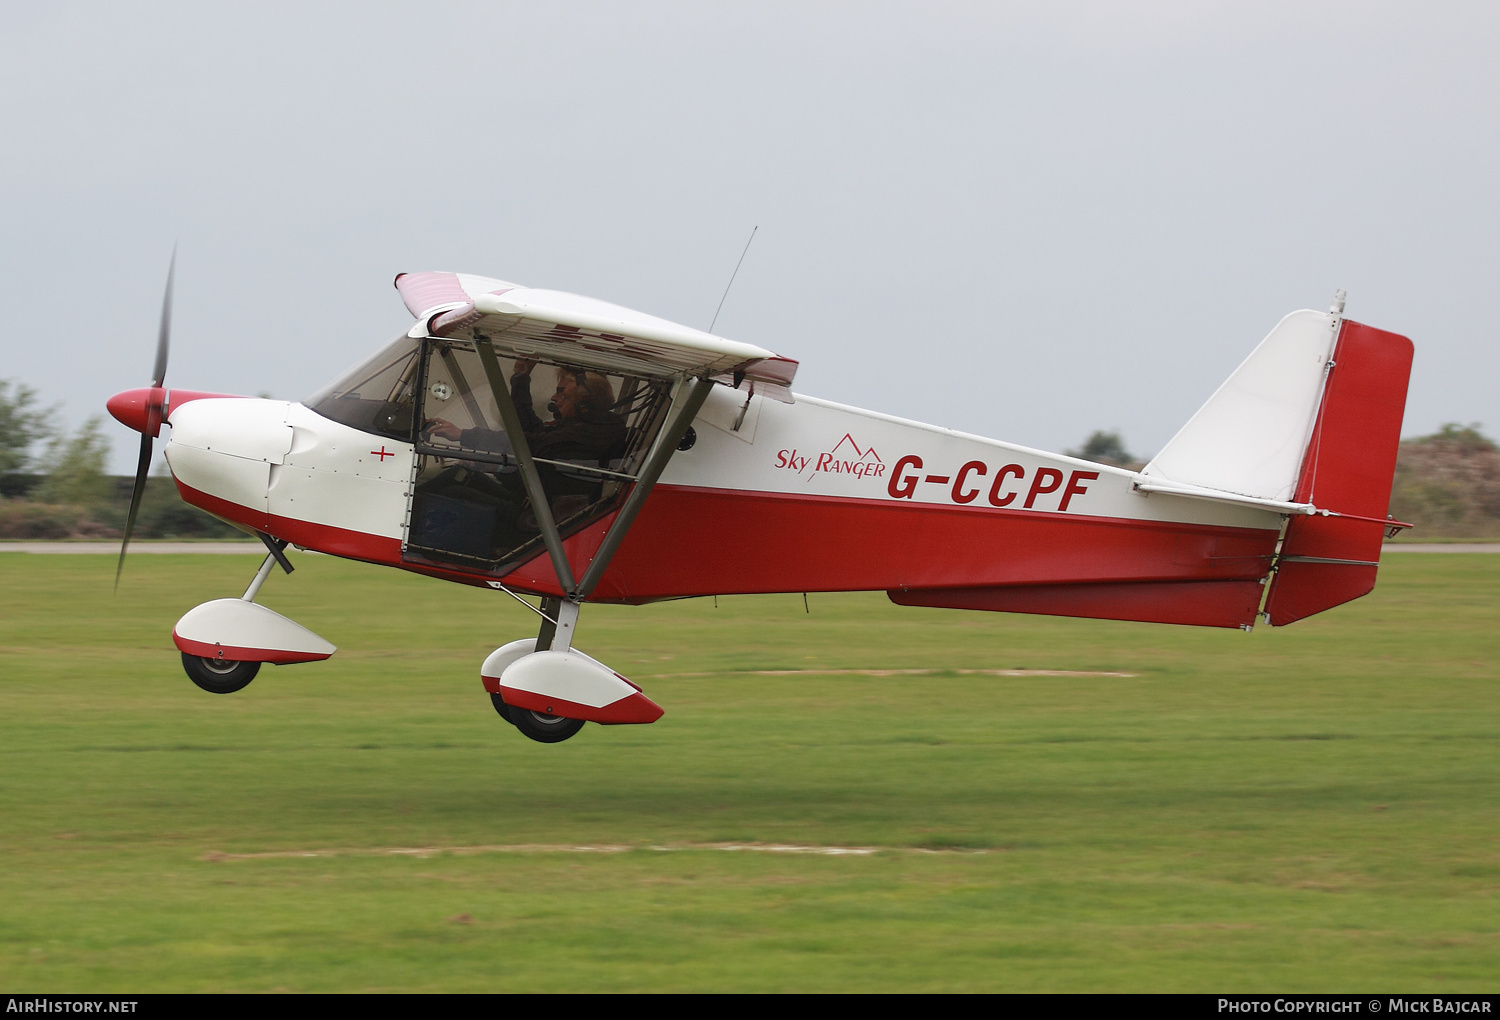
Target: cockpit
[[588, 433]]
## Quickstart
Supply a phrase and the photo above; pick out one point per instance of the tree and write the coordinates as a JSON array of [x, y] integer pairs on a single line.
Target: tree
[[1448, 483], [77, 468], [1104, 448], [1460, 439], [22, 425]]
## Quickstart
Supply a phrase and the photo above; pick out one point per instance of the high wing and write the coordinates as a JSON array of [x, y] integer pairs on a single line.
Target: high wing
[[568, 329]]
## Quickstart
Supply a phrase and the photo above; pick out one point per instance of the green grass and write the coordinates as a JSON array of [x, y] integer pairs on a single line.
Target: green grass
[[1312, 808]]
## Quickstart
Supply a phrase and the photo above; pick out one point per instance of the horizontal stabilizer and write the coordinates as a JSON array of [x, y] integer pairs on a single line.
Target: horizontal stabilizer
[[1219, 496]]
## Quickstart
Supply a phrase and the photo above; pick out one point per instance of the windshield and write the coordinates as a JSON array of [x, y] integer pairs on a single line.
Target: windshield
[[377, 395]]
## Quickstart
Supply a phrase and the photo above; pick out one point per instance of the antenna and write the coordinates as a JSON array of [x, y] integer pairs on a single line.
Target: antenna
[[731, 278]]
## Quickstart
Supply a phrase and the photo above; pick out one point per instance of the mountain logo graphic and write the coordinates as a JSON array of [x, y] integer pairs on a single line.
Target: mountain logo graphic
[[846, 458], [867, 454]]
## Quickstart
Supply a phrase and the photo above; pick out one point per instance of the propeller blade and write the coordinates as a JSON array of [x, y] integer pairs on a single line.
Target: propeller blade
[[142, 466], [164, 332], [154, 414]]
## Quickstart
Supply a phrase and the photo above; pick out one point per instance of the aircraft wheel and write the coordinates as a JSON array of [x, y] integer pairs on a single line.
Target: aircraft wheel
[[502, 708], [549, 729], [219, 676]]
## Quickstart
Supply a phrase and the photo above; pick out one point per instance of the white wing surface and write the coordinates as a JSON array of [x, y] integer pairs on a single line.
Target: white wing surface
[[562, 328]]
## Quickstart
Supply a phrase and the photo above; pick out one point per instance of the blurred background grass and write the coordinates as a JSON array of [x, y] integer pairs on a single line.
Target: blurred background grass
[[1312, 808]]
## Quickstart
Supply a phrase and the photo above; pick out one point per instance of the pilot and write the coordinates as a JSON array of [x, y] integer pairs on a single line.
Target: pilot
[[584, 427]]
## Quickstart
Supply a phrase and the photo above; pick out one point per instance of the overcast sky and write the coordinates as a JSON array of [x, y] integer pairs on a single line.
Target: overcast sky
[[1027, 221]]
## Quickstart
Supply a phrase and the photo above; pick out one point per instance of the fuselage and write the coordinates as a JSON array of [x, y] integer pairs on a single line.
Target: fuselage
[[770, 497]]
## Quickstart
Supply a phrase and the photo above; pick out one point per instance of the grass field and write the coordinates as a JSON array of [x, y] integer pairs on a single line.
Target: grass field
[[1315, 808]]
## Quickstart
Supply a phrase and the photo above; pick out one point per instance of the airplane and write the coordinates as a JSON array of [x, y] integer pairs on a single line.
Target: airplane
[[668, 462]]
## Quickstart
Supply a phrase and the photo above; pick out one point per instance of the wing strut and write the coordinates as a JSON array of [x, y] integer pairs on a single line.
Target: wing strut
[[529, 477], [666, 445], [690, 400]]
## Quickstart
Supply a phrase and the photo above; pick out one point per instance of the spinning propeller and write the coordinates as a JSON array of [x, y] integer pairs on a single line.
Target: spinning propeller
[[155, 411]]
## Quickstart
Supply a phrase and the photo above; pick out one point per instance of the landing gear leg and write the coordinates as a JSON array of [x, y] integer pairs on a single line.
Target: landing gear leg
[[243, 628], [510, 653], [550, 609], [558, 619]]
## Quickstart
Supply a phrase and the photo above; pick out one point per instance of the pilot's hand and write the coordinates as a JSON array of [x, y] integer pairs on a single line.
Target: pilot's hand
[[440, 429], [523, 367]]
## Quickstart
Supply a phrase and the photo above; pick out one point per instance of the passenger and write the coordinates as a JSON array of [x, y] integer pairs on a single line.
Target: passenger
[[585, 427]]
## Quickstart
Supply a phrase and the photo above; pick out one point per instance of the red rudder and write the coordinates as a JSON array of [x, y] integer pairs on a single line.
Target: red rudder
[[1327, 561]]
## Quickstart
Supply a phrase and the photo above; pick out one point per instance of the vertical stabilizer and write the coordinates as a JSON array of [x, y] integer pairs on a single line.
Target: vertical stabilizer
[[1249, 438]]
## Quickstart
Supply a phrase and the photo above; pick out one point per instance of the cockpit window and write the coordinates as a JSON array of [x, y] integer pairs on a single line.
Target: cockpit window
[[587, 432], [377, 396]]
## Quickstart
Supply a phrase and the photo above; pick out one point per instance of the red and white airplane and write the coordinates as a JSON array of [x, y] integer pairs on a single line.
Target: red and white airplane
[[666, 462]]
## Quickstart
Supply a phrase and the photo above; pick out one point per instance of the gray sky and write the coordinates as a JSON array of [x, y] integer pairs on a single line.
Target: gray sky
[[1026, 221]]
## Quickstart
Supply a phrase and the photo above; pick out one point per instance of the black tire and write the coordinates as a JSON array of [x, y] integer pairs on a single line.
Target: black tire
[[219, 676], [501, 707], [539, 726]]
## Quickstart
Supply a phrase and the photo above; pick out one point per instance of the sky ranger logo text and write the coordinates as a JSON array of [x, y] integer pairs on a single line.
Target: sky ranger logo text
[[846, 458]]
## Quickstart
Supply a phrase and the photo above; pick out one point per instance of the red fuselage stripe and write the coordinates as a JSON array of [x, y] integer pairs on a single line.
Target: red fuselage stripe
[[691, 541]]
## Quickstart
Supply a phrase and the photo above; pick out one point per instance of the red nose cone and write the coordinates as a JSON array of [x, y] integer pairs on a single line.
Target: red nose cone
[[145, 409], [132, 408]]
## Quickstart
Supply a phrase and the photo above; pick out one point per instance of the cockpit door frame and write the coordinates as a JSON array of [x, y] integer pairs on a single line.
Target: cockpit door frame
[[418, 411]]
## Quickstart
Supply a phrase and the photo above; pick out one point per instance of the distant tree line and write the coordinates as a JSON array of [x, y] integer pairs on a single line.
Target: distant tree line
[[1447, 484], [1107, 448], [54, 484]]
